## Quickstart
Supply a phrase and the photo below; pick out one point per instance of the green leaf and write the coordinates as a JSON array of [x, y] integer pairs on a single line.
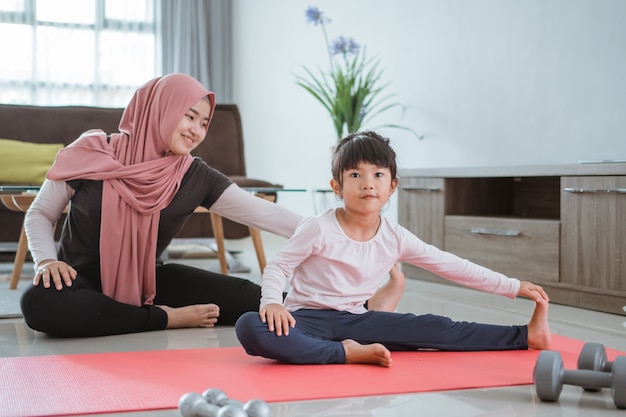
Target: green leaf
[[351, 92]]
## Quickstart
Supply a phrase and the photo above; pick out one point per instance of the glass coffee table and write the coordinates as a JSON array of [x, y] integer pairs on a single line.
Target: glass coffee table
[[267, 193], [19, 199]]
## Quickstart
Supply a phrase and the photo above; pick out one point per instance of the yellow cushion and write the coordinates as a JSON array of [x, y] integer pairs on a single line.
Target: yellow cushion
[[26, 163]]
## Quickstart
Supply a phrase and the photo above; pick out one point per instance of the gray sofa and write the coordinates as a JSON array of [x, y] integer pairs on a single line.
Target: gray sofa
[[223, 148]]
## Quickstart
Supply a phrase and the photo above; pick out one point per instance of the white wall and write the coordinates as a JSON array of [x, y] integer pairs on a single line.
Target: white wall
[[489, 82]]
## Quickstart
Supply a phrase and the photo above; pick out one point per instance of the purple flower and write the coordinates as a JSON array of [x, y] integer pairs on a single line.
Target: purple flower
[[350, 89], [344, 46], [315, 16], [363, 112]]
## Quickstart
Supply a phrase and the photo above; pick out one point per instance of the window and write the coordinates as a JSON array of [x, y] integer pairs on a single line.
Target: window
[[76, 52]]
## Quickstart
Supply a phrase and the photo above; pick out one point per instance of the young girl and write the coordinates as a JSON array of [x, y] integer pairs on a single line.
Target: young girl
[[335, 261]]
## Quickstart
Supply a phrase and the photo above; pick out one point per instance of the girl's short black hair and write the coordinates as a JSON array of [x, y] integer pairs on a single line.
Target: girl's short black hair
[[366, 146]]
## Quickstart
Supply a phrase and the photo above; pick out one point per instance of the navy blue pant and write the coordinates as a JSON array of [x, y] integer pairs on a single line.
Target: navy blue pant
[[318, 334]]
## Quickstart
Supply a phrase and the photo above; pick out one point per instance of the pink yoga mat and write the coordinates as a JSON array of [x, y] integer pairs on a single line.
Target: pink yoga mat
[[151, 380]]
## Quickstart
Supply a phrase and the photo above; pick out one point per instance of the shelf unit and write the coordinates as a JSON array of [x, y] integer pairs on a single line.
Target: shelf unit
[[560, 226]]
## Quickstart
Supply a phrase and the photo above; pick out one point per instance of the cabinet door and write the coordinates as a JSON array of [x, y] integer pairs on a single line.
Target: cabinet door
[[420, 208], [527, 249], [593, 233]]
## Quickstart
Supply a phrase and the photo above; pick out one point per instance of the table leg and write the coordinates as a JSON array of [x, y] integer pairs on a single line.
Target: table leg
[[218, 233], [20, 257], [258, 247]]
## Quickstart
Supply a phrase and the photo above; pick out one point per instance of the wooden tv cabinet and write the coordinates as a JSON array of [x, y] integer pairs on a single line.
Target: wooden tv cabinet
[[560, 226]]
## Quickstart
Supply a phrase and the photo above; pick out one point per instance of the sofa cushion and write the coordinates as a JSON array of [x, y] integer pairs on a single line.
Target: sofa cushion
[[26, 163]]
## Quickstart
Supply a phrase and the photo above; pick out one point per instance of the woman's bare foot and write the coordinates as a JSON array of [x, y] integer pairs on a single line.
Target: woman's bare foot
[[539, 334], [388, 296], [198, 315], [375, 353]]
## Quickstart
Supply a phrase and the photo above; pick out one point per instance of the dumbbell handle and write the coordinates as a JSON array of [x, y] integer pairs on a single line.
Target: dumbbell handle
[[586, 378], [606, 366]]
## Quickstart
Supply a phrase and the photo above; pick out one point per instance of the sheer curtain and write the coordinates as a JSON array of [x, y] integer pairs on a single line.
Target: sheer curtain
[[97, 52], [76, 52], [196, 40]]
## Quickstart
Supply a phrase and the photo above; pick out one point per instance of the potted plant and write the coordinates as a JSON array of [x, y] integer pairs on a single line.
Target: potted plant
[[351, 90]]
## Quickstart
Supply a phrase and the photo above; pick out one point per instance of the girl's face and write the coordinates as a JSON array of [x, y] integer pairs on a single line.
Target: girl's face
[[366, 188], [192, 129]]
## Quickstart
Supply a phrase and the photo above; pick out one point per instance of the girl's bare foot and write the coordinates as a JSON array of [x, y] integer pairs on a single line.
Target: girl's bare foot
[[375, 353], [539, 334], [198, 315]]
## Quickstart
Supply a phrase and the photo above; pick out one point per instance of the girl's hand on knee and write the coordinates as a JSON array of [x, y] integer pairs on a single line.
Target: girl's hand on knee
[[278, 319]]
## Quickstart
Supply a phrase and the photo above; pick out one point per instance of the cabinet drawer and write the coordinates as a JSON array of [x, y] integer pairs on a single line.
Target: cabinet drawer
[[527, 249]]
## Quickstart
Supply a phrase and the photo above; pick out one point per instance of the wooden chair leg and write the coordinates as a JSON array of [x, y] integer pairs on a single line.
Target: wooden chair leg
[[218, 233], [258, 247], [20, 257]]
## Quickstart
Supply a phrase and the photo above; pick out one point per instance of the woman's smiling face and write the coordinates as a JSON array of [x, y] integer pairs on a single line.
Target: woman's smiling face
[[192, 128]]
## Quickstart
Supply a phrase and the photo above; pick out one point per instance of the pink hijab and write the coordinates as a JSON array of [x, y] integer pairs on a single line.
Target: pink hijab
[[140, 178]]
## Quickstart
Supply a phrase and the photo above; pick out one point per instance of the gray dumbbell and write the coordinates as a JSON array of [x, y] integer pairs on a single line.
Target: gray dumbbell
[[550, 376], [193, 404], [593, 357]]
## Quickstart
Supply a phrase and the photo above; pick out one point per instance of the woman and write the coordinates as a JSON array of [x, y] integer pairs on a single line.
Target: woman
[[137, 186], [129, 194]]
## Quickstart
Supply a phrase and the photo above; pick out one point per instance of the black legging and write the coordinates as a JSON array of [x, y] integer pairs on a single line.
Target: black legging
[[82, 310]]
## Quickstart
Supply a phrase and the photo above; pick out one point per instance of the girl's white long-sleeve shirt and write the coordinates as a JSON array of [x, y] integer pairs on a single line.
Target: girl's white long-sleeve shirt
[[328, 270]]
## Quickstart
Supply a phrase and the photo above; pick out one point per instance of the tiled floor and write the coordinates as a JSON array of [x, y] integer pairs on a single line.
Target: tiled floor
[[16, 339]]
